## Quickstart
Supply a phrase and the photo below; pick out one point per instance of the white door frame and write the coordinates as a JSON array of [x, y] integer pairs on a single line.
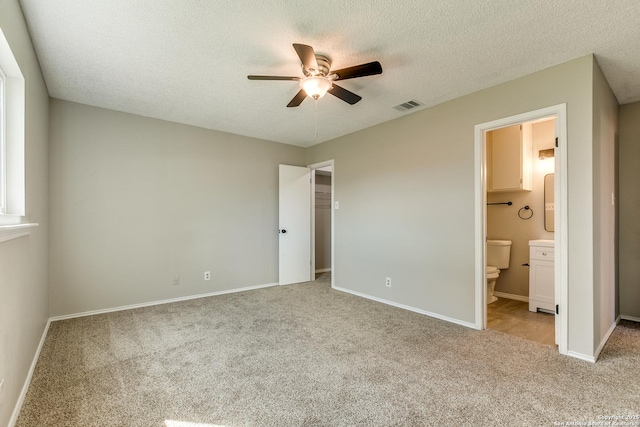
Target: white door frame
[[560, 216], [312, 230]]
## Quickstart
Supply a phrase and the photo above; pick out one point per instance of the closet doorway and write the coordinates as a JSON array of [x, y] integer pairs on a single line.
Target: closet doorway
[[322, 220]]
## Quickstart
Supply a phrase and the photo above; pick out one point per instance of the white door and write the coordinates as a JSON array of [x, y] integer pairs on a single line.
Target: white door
[[295, 224]]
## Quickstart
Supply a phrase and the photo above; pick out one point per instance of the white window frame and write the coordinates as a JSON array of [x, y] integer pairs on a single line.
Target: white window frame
[[12, 145], [3, 147]]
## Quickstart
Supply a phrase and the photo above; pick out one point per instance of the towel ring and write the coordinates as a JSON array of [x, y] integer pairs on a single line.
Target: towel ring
[[525, 208]]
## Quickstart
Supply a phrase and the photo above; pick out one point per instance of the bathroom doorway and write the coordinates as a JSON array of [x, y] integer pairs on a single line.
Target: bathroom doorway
[[518, 163]]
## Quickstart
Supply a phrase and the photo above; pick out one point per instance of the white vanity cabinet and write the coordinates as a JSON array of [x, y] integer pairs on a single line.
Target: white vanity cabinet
[[509, 159], [541, 275]]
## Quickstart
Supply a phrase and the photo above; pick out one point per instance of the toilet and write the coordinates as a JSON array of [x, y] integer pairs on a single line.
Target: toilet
[[498, 256]]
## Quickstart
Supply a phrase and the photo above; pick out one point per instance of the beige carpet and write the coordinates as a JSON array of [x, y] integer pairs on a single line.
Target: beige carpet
[[306, 355]]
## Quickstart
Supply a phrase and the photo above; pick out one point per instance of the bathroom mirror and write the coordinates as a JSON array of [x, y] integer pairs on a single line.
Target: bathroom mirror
[[548, 202]]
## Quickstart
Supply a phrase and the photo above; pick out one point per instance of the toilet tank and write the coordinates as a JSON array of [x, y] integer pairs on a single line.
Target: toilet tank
[[498, 253]]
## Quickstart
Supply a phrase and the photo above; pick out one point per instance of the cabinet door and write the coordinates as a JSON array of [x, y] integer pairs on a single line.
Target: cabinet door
[[541, 284], [509, 159], [506, 163]]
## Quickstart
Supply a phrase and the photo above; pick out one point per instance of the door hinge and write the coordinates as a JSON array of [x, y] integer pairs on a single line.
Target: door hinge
[[556, 141], [557, 309]]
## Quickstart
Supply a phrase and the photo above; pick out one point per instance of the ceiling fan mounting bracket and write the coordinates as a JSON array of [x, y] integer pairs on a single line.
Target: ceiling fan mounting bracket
[[324, 65]]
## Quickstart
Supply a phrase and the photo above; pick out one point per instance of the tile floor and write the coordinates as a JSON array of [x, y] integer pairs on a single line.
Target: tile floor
[[513, 317]]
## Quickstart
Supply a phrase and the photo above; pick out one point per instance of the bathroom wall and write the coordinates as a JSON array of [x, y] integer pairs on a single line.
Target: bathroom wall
[[503, 222], [323, 222]]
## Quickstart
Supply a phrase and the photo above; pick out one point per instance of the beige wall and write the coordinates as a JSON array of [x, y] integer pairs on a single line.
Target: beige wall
[[135, 201], [422, 233], [629, 207], [23, 261], [503, 222], [605, 138]]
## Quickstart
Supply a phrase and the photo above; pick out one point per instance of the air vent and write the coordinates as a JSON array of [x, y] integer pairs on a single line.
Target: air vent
[[409, 105]]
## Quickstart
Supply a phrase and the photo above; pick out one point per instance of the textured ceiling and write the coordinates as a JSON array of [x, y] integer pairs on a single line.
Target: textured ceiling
[[187, 61]]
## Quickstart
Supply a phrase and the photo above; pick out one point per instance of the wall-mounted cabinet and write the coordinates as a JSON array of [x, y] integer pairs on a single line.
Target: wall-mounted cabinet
[[509, 159]]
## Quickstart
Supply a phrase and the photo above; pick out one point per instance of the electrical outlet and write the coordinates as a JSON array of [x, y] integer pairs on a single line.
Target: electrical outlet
[[388, 282], [176, 280], [207, 275]]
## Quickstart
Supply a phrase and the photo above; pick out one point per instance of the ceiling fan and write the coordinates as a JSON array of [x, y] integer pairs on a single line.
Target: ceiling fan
[[319, 79]]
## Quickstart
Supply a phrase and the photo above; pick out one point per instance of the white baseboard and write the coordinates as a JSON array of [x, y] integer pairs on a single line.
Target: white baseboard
[[606, 337], [323, 270], [581, 356], [409, 308], [512, 296], [27, 381], [631, 318], [604, 340], [166, 301]]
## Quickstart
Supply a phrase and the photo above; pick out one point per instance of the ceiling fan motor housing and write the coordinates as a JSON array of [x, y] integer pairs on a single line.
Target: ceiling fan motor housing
[[324, 66]]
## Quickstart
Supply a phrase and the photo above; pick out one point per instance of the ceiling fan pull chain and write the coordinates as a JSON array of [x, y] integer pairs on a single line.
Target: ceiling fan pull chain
[[316, 101]]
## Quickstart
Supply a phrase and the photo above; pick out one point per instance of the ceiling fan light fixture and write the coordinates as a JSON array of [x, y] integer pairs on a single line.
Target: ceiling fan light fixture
[[315, 86]]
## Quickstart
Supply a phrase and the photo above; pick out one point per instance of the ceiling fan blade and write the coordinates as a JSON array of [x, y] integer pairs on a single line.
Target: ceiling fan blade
[[273, 78], [362, 70], [297, 100], [347, 96], [308, 57]]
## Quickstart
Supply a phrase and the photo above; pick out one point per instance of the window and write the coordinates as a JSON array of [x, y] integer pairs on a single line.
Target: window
[[12, 137]]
